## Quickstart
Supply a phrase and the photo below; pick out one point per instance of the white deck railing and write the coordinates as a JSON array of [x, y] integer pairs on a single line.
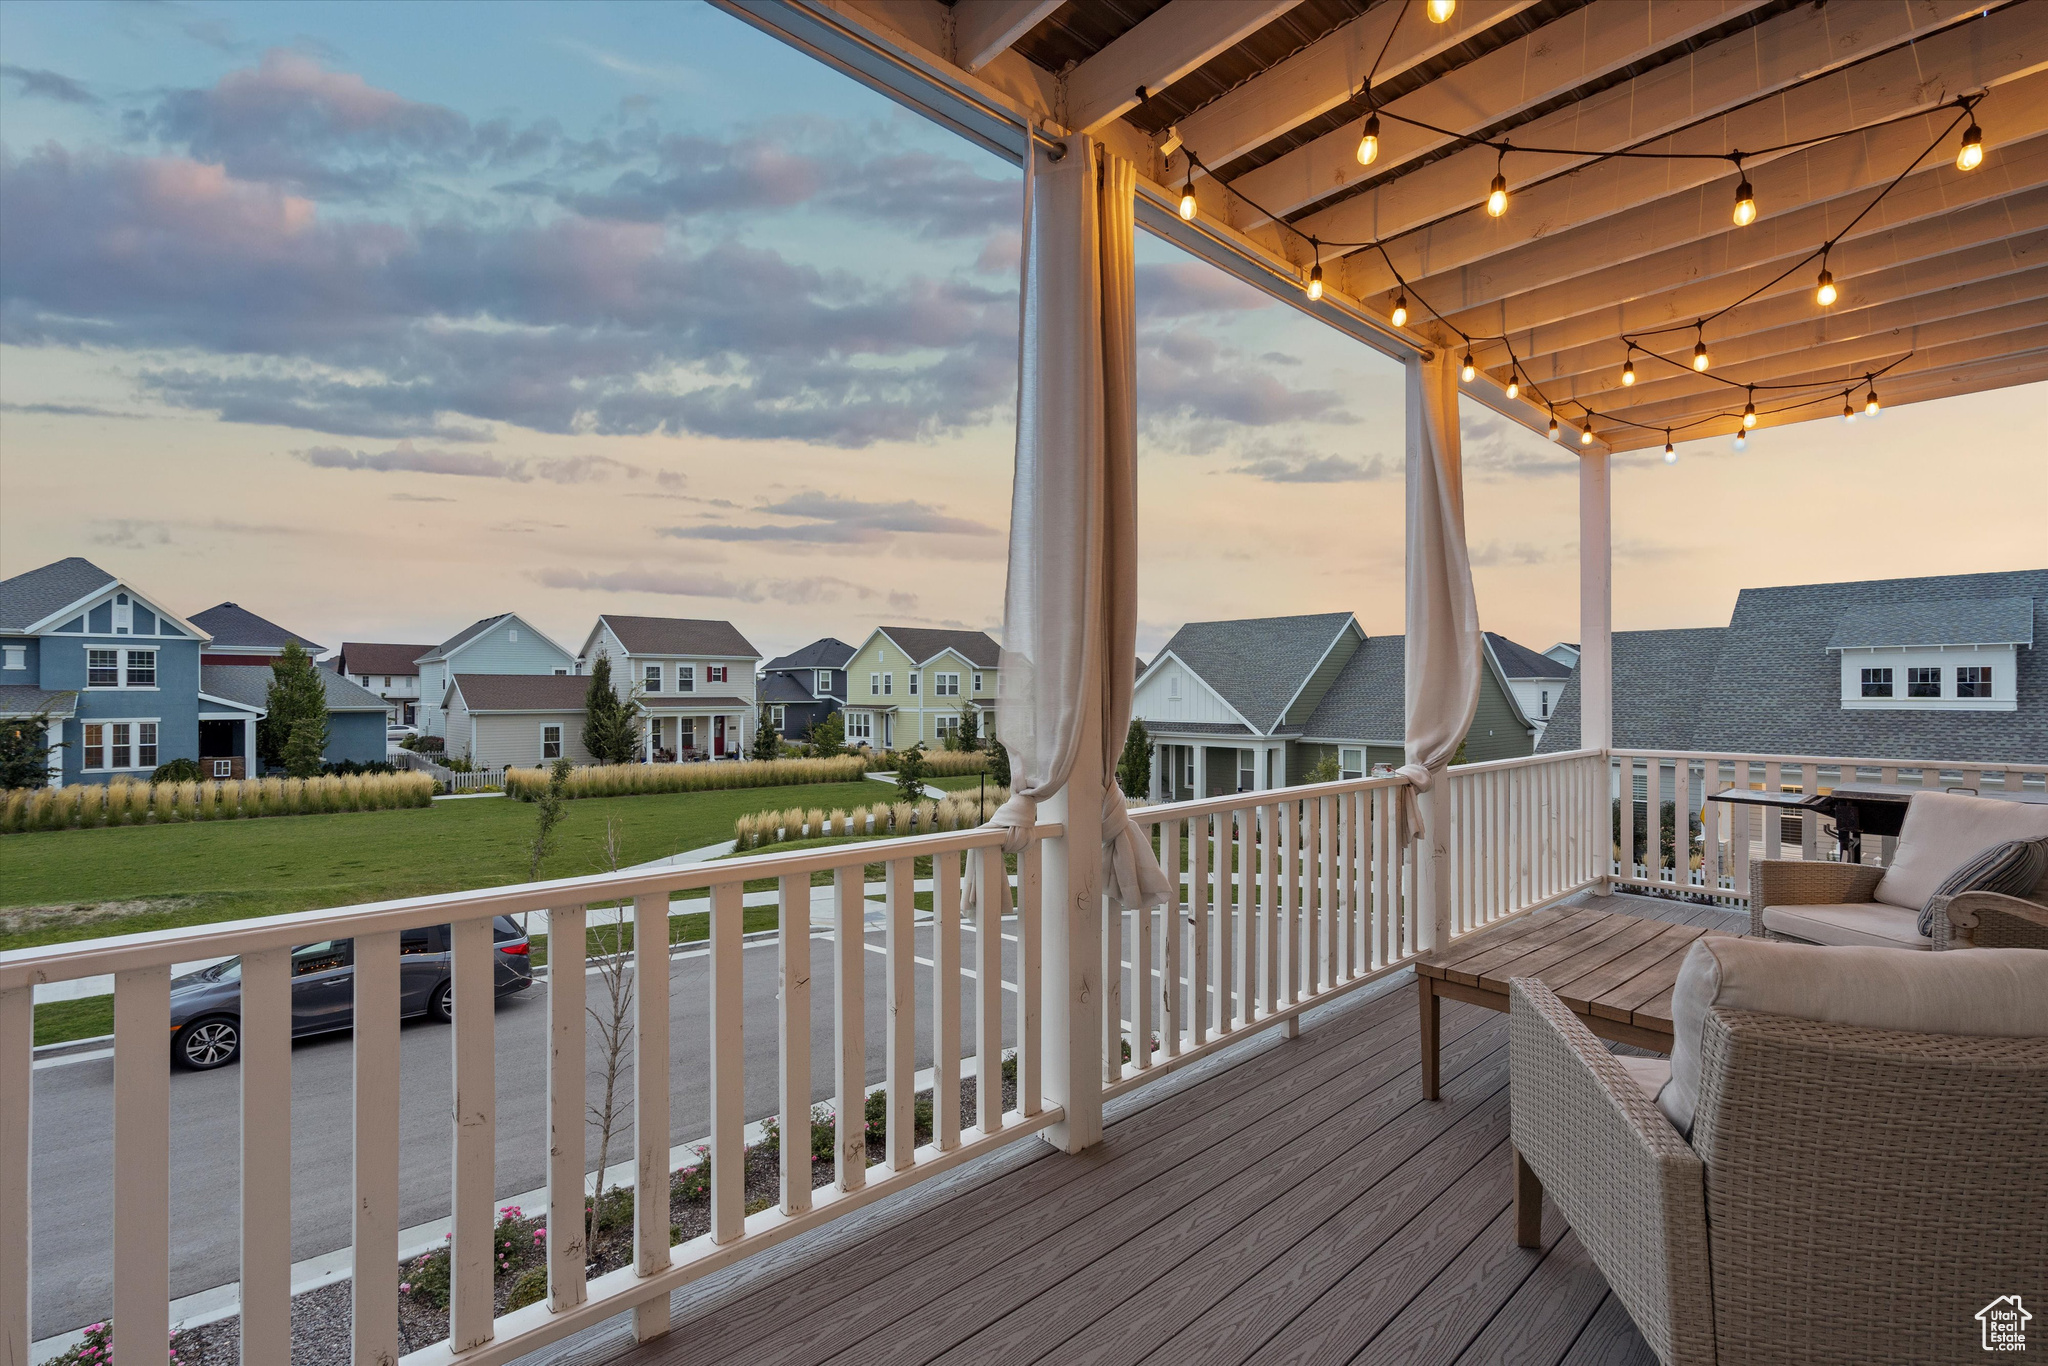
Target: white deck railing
[[1729, 836]]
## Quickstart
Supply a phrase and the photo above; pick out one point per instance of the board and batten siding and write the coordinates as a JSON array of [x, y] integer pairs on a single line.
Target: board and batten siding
[[1154, 699], [1497, 732]]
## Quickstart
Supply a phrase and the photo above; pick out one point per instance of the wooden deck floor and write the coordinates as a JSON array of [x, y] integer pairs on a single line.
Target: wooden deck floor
[[1295, 1201]]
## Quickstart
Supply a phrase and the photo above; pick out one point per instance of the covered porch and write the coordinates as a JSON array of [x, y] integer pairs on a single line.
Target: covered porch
[[690, 732]]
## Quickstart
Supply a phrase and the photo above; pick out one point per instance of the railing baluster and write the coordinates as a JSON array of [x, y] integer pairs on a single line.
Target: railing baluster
[[1317, 961], [1198, 916], [1030, 973], [899, 962], [849, 1010], [1269, 823], [142, 1162], [375, 1297], [17, 1090], [992, 895], [728, 1065], [793, 1076], [946, 1001], [474, 1154], [567, 1063], [1142, 1011], [1171, 924], [266, 1081], [651, 1254], [1285, 963], [1112, 942], [1218, 1007]]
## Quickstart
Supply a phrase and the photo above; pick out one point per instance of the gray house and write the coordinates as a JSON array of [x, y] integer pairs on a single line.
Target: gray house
[[1940, 668], [805, 686], [1242, 706], [503, 644]]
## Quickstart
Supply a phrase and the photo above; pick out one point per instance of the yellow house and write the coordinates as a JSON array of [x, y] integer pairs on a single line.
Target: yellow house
[[908, 684]]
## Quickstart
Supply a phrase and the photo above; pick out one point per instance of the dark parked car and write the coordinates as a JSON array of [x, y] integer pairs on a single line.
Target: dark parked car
[[206, 1006]]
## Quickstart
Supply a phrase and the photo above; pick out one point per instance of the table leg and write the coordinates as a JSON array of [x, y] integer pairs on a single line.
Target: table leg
[[1432, 1016], [1528, 1203]]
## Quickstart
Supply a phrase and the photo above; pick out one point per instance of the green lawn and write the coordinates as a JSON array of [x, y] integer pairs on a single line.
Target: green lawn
[[966, 782], [71, 884]]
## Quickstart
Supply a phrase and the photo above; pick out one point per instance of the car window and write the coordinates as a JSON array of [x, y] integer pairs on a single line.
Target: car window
[[428, 939], [230, 971], [324, 956]]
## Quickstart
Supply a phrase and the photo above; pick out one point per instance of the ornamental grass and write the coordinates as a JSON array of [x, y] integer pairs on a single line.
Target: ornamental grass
[[619, 780], [761, 829], [127, 802]]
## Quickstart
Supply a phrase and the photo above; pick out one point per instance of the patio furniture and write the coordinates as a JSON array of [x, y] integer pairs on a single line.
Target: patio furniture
[[1772, 1201], [1850, 904], [1614, 971], [1859, 809]]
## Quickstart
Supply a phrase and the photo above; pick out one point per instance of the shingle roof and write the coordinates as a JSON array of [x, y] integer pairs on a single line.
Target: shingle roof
[[1958, 621], [1197, 728], [1773, 686], [456, 641], [27, 598], [1369, 699], [248, 685], [231, 624], [1519, 661], [922, 643], [679, 636], [522, 692], [829, 653], [361, 657], [17, 700], [1658, 679], [1257, 665], [781, 688]]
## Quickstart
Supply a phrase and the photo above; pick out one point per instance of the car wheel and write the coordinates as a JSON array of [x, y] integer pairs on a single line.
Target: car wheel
[[441, 1006], [206, 1044]]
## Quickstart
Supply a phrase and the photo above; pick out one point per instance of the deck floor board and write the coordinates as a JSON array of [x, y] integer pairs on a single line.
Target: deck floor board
[[1293, 1201]]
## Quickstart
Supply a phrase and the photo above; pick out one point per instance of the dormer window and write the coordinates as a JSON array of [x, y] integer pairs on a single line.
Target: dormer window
[[1933, 656], [1923, 682], [17, 657], [1973, 680], [1877, 683]]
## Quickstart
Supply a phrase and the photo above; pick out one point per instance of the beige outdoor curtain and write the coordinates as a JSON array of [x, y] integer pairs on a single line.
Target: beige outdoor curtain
[[1442, 646], [1070, 619]]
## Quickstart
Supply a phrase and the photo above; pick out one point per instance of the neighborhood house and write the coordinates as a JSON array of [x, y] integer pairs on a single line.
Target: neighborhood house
[[908, 685], [390, 671], [804, 687], [693, 680], [503, 644]]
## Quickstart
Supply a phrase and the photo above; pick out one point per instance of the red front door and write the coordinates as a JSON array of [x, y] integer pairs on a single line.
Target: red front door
[[718, 737]]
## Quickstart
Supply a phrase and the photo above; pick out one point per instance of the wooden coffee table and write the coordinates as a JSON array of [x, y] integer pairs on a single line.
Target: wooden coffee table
[[1614, 971]]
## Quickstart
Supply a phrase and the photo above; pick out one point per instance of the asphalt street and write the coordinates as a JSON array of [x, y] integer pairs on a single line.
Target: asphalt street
[[73, 1122]]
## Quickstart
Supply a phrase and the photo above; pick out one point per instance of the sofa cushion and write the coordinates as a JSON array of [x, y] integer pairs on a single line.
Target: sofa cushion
[[1649, 1074], [1945, 830], [2010, 869], [1860, 922], [1999, 993]]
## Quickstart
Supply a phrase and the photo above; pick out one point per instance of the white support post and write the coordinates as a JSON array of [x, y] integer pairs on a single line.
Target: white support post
[[249, 768], [1596, 628], [1072, 929], [1201, 771], [17, 1090]]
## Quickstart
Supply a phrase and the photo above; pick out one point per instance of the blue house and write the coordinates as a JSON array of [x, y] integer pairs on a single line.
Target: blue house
[[235, 665], [805, 686]]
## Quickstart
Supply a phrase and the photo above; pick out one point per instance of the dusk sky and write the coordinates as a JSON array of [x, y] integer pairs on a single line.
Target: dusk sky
[[380, 318]]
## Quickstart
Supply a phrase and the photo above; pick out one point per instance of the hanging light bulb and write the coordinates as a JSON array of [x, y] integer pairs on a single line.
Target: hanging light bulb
[[1470, 369], [1553, 426], [1824, 292], [1741, 442], [1628, 369], [1699, 354], [1749, 412], [1586, 431], [1497, 196], [1670, 451], [1848, 408], [1745, 204], [1401, 310], [1514, 383], [1440, 11], [1187, 196], [1369, 141], [1972, 154], [1315, 284], [1870, 402]]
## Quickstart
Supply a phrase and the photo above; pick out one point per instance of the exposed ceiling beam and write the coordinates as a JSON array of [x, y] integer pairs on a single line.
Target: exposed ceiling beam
[[1159, 51], [1556, 59], [1824, 377], [987, 28], [1706, 102], [1929, 287], [1930, 214], [2029, 367], [1329, 71]]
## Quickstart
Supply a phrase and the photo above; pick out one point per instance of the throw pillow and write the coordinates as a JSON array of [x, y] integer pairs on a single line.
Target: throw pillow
[[2013, 868]]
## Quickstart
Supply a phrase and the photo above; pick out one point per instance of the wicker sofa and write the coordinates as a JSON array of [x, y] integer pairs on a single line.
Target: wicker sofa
[[1853, 904], [1798, 1212]]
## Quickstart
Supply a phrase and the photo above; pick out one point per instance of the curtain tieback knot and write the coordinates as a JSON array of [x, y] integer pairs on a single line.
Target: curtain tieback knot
[[1419, 780], [1015, 818], [1131, 875]]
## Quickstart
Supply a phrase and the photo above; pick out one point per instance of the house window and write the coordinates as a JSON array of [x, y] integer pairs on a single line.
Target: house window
[[888, 684], [411, 713], [977, 685], [686, 678], [1544, 714], [513, 635], [1351, 762], [102, 668], [914, 676], [777, 717], [1973, 680], [860, 725], [946, 685], [715, 673], [17, 656], [874, 685], [124, 615], [559, 673], [1923, 682], [387, 681], [551, 742], [653, 677], [141, 668], [1247, 770], [112, 745], [944, 727], [1173, 685], [822, 687], [1877, 682]]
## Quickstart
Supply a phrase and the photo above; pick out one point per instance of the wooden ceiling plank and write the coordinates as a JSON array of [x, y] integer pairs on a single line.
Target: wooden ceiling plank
[[1707, 102], [1917, 292], [1931, 213], [1159, 51], [984, 30], [2005, 372], [1329, 71], [1558, 58]]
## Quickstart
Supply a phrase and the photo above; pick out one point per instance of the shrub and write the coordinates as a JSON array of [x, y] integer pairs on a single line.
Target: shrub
[[350, 767], [98, 1349], [530, 1288], [613, 780], [177, 771], [762, 828], [124, 802], [911, 772], [955, 763]]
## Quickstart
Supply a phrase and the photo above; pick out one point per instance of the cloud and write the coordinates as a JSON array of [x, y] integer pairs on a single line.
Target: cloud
[[70, 410], [128, 534], [419, 498], [1503, 554], [47, 85], [1182, 289], [675, 583], [828, 519], [404, 456], [1304, 468], [1197, 394], [1494, 449], [585, 469]]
